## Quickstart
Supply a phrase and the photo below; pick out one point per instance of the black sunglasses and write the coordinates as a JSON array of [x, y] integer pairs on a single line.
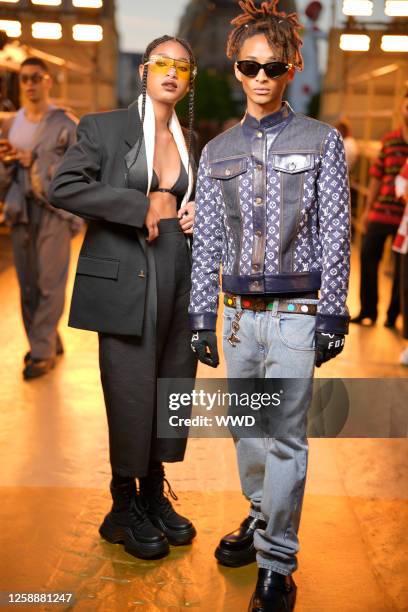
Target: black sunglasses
[[273, 70], [35, 78]]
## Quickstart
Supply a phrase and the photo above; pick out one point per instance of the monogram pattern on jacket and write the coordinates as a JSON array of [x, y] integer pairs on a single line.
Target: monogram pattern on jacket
[[321, 242]]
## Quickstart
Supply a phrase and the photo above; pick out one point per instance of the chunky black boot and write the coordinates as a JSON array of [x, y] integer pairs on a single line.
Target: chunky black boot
[[178, 529], [273, 593], [237, 548], [128, 524]]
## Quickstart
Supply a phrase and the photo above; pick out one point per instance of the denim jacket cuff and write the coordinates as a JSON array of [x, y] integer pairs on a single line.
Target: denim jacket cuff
[[203, 320], [332, 324]]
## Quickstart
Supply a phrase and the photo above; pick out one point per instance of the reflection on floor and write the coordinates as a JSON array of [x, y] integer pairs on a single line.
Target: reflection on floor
[[55, 474]]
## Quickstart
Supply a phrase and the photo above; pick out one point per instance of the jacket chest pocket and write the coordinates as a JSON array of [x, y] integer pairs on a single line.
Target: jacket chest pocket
[[293, 169], [293, 163], [228, 171]]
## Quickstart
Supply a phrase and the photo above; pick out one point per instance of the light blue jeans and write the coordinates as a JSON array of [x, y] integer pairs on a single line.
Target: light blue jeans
[[272, 470]]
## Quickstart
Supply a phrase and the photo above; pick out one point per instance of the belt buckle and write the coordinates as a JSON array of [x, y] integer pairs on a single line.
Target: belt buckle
[[261, 305]]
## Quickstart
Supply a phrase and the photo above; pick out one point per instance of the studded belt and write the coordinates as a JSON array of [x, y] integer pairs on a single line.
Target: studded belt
[[261, 304]]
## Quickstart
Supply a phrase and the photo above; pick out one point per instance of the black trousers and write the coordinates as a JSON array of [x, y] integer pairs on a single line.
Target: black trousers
[[41, 251], [130, 365], [371, 253]]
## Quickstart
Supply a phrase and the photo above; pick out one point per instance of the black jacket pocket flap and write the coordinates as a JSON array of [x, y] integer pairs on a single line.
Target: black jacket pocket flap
[[228, 168], [95, 266], [293, 162]]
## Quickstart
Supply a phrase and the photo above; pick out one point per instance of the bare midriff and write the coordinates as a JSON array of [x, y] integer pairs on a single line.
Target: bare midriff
[[168, 206]]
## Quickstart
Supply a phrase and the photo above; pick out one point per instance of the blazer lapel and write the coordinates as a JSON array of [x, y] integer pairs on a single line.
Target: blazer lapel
[[136, 169], [133, 125]]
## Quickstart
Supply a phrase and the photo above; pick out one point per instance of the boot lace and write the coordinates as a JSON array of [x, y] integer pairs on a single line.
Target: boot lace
[[159, 499], [162, 499], [138, 511]]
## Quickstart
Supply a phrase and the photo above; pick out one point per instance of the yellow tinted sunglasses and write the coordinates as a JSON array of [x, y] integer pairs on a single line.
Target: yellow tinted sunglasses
[[161, 65]]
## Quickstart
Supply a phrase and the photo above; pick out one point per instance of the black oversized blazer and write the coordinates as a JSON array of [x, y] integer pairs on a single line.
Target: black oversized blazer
[[100, 181]]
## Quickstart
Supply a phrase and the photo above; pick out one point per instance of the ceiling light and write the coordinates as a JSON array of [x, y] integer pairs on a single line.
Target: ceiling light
[[396, 44], [355, 42], [87, 33], [11, 28], [46, 30], [396, 8], [87, 3], [47, 2], [358, 8]]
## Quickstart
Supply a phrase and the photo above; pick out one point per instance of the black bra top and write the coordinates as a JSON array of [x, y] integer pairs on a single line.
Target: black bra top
[[179, 188]]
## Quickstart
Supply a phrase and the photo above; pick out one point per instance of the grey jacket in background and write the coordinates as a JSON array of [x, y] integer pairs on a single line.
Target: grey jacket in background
[[55, 134]]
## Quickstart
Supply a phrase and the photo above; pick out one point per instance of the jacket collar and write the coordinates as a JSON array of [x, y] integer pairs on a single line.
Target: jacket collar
[[250, 123]]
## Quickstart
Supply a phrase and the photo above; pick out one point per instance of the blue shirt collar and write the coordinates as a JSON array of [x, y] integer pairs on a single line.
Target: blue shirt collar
[[270, 120]]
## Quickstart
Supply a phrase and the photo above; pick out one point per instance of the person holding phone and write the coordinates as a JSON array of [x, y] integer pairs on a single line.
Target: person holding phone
[[33, 143]]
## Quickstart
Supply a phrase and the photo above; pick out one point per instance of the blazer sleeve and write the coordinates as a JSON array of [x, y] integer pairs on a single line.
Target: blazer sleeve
[[76, 186]]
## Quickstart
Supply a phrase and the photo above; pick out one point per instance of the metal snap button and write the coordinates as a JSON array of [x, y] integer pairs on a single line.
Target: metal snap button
[[258, 200], [259, 134], [258, 233], [255, 266], [259, 167], [292, 166], [227, 172]]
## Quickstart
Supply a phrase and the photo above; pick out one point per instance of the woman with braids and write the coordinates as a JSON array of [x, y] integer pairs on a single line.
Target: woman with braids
[[130, 174], [272, 206]]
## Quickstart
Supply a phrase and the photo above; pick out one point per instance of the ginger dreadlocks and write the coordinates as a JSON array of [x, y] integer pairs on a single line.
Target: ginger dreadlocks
[[280, 29]]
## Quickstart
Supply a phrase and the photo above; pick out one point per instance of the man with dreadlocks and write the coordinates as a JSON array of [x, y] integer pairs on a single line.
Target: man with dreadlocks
[[130, 175], [272, 206]]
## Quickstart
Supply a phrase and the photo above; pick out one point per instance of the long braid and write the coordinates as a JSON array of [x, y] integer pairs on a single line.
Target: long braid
[[155, 43], [280, 29], [191, 102], [144, 91]]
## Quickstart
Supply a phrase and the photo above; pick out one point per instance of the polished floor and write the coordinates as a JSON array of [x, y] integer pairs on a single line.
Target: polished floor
[[54, 492]]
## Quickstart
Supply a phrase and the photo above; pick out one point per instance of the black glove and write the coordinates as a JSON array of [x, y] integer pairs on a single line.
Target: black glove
[[328, 346], [204, 344]]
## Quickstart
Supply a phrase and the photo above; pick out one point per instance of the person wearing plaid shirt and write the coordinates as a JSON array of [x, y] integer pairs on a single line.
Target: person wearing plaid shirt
[[380, 219]]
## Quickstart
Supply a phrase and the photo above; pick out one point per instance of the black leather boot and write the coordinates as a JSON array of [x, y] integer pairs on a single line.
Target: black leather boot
[[273, 593], [178, 529], [237, 548], [128, 524]]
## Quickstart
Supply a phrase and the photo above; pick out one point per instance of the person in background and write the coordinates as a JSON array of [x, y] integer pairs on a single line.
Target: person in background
[[307, 85], [33, 143], [6, 105], [350, 144], [400, 246], [351, 149], [380, 219]]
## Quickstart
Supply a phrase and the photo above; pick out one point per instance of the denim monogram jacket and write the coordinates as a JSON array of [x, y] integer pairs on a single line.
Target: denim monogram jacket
[[273, 209]]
